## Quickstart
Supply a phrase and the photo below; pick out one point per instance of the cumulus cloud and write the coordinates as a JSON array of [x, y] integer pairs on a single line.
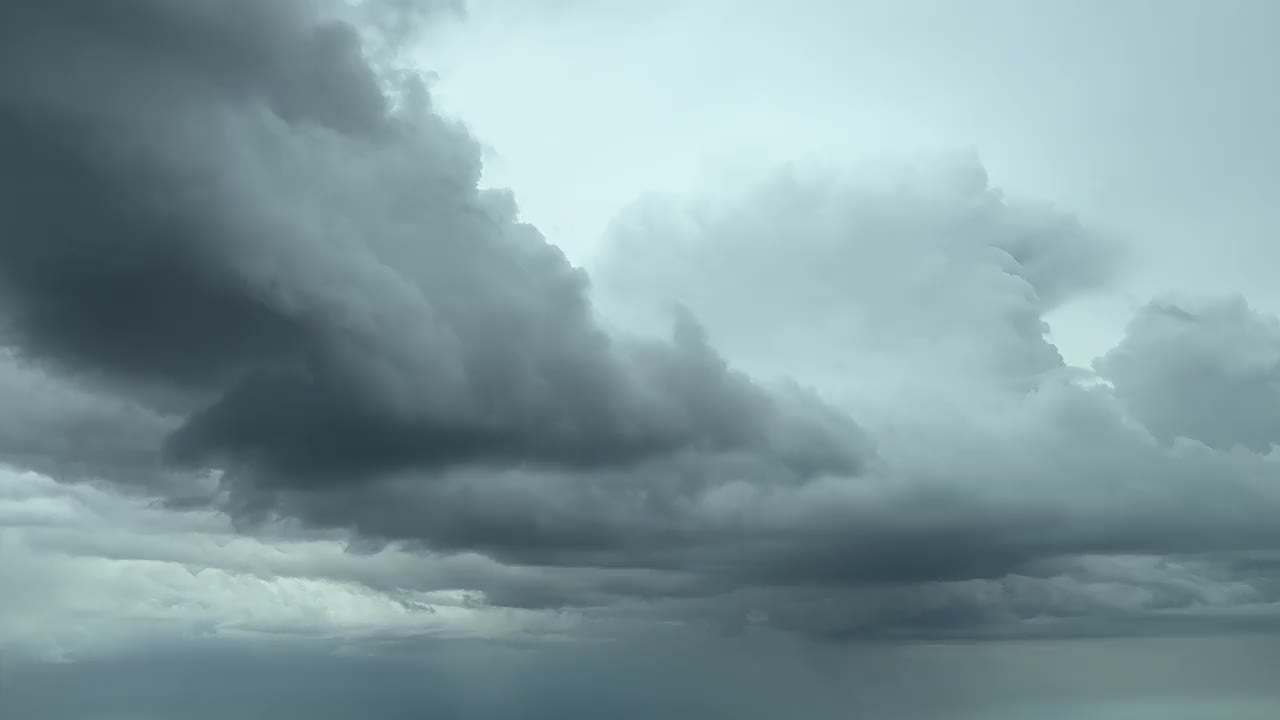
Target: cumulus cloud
[[1208, 371], [862, 273]]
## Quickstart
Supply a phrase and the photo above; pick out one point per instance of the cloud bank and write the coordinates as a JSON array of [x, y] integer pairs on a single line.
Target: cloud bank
[[247, 270]]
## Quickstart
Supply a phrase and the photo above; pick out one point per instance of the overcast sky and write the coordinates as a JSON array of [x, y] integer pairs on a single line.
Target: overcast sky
[[581, 358]]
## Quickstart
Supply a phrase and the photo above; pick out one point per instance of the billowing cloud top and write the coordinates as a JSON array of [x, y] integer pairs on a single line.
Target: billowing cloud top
[[247, 269]]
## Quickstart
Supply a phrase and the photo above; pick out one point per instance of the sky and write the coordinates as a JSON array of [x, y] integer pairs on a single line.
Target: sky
[[575, 358]]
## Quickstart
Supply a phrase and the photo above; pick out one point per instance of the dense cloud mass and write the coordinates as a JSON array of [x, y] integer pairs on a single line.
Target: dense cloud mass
[[226, 218], [267, 339], [1209, 371]]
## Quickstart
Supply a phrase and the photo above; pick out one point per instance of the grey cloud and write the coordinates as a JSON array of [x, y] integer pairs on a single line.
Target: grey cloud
[[1209, 371], [990, 548], [914, 296], [51, 426], [220, 215]]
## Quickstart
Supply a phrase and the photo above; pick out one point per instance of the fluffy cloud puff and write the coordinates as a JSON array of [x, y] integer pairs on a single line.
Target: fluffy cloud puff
[[926, 271]]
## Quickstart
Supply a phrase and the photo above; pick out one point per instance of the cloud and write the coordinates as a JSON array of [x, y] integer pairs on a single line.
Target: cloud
[[919, 298], [257, 239], [245, 268], [148, 612], [103, 574], [1208, 371], [661, 673], [857, 272], [53, 426]]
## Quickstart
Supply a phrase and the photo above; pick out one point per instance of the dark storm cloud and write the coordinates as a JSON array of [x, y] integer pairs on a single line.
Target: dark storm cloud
[[216, 209], [229, 241], [962, 533]]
